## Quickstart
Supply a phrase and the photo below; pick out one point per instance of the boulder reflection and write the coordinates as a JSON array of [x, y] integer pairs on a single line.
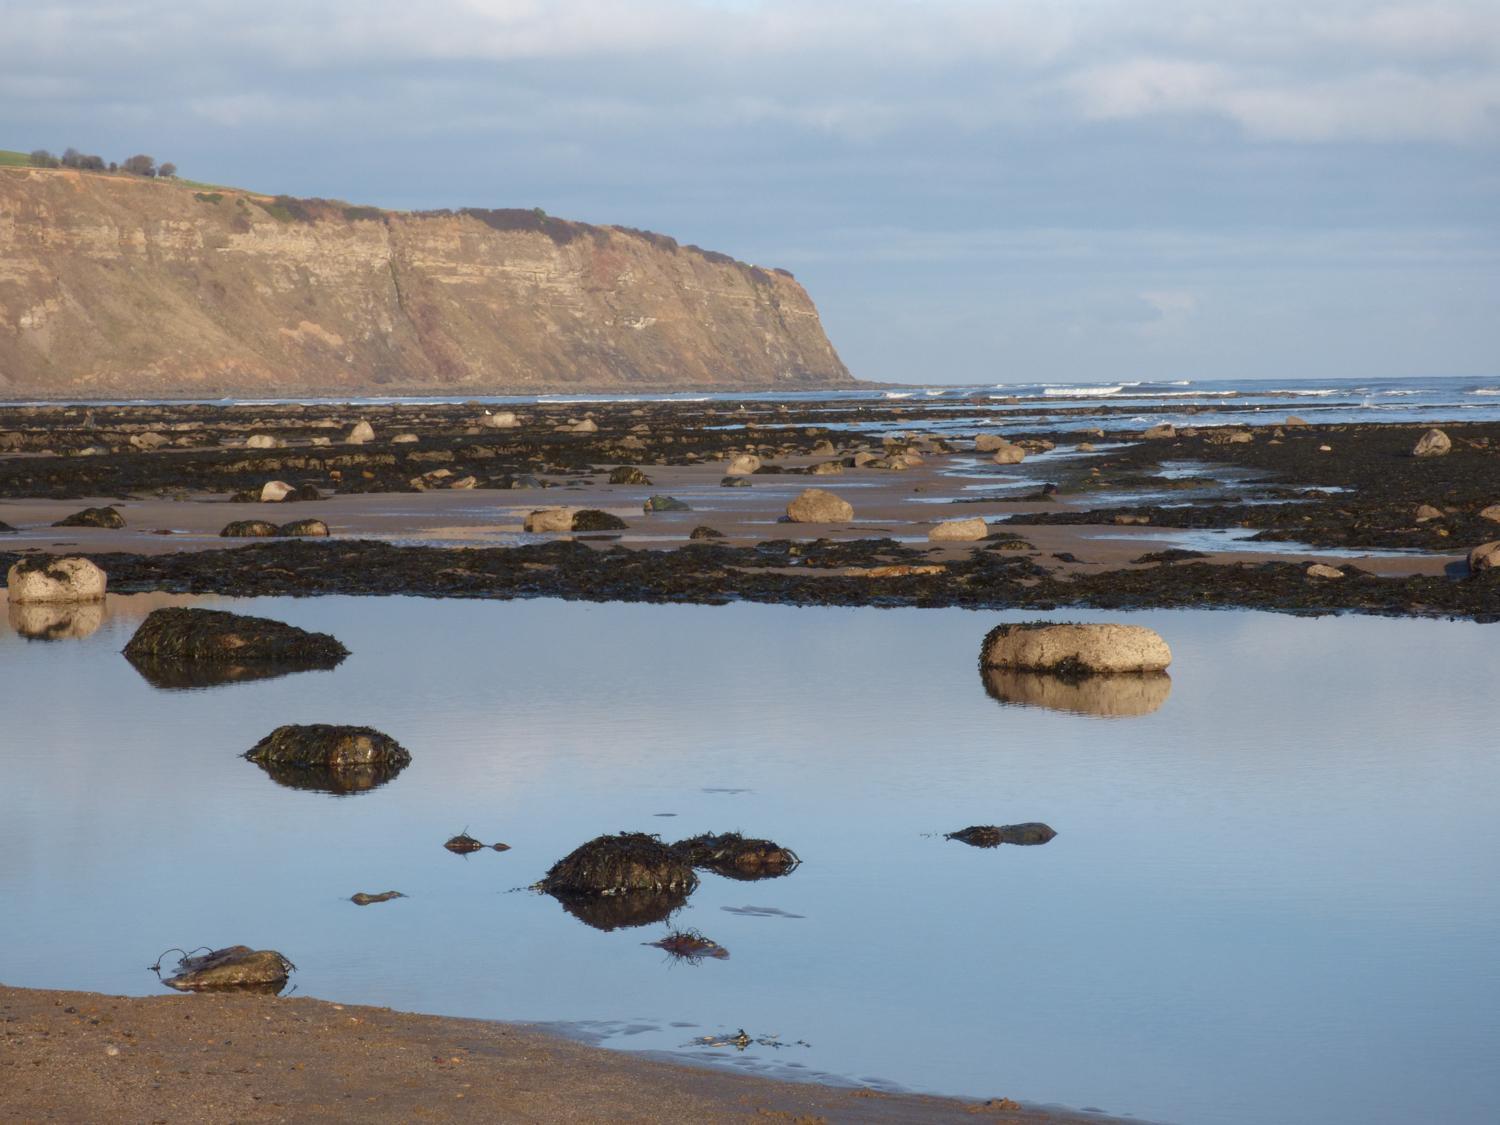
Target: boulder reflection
[[622, 911], [1117, 696], [42, 621], [177, 675], [340, 781]]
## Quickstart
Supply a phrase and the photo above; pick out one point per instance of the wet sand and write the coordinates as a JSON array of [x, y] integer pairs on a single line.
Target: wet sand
[[80, 1056]]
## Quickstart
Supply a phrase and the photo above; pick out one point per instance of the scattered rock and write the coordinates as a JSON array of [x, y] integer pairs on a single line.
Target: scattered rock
[[1434, 443], [827, 469], [664, 504], [363, 899], [404, 439], [463, 844], [895, 570], [1072, 649], [1160, 432], [691, 946], [213, 636], [1323, 570], [615, 865], [742, 465], [1425, 513], [263, 441], [148, 441], [736, 857], [988, 443], [304, 529], [587, 426], [93, 517], [959, 531], [704, 532], [628, 474], [1492, 513], [328, 746], [236, 968], [1128, 520], [550, 519], [735, 482], [592, 519], [500, 420], [993, 835], [1008, 454], [275, 491], [814, 505], [1486, 556], [249, 529], [55, 578], [1293, 422], [360, 433]]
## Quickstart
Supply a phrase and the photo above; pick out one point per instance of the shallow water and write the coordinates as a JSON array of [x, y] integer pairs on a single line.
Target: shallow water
[[1271, 898]]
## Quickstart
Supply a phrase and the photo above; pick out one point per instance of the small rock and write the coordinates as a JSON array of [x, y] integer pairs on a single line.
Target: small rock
[[664, 504], [93, 517], [592, 519], [814, 505], [959, 530], [304, 529], [249, 529], [704, 532], [237, 967], [1492, 513], [1008, 454], [742, 465], [404, 439], [550, 519], [263, 441], [1426, 512], [500, 420], [360, 433], [1322, 570], [993, 835], [1293, 422], [1160, 432], [827, 468], [628, 474], [363, 899], [275, 491]]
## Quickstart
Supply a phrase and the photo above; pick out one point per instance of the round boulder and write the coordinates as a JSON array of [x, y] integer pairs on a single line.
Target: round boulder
[[360, 433], [815, 505], [1082, 649], [742, 465], [1434, 443], [500, 420], [328, 746], [248, 529], [612, 865], [1323, 570], [1486, 556], [93, 517], [275, 491], [1492, 513], [959, 531], [1009, 454], [46, 578], [263, 441], [304, 529]]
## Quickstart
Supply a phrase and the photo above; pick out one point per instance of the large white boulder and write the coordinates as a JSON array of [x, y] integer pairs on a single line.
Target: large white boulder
[[1486, 556], [551, 519], [1085, 648], [1434, 443], [360, 433], [275, 491], [814, 505], [65, 578], [1009, 454], [263, 441], [959, 531]]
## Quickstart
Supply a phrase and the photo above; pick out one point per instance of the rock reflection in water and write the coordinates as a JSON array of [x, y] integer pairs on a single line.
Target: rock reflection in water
[[340, 781], [42, 621], [176, 675], [622, 911], [1115, 696]]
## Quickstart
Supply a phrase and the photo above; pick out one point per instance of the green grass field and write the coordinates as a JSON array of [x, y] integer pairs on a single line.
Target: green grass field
[[13, 158]]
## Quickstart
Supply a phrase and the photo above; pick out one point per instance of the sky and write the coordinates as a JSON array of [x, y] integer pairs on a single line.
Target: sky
[[971, 190]]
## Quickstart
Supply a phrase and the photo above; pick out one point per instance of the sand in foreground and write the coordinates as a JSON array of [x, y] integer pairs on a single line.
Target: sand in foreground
[[82, 1056]]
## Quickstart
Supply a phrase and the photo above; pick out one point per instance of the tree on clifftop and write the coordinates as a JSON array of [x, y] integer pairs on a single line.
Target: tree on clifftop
[[41, 158], [140, 165], [168, 170]]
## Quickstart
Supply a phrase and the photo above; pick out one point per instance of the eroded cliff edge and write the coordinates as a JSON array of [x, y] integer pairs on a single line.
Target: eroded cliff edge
[[113, 285]]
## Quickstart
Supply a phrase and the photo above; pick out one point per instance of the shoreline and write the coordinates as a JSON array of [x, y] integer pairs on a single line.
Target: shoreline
[[213, 1058]]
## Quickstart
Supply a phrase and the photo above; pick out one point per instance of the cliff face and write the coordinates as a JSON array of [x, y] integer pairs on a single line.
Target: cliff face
[[111, 285]]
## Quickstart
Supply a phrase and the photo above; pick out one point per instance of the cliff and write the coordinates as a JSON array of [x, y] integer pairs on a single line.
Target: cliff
[[115, 285]]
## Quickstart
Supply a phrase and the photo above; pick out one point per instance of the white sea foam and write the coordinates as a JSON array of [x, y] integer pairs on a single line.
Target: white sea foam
[[1083, 392]]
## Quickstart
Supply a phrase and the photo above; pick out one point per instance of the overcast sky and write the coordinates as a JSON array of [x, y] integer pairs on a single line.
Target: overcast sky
[[970, 190]]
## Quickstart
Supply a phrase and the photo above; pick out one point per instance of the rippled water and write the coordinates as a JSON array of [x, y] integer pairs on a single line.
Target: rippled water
[[1272, 895]]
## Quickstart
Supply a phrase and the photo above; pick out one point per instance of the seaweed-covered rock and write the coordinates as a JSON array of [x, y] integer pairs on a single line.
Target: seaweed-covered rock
[[1072, 649], [237, 968], [93, 517], [703, 531], [215, 637], [303, 529], [734, 482], [993, 835], [328, 746], [1118, 696], [249, 529], [737, 857], [664, 504], [815, 505], [628, 474], [624, 864], [463, 844], [55, 578], [363, 898], [592, 519]]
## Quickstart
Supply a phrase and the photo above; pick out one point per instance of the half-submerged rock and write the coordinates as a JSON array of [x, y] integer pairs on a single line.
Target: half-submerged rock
[[993, 835], [364, 899], [236, 968], [93, 517], [53, 578], [1042, 646], [329, 759], [1122, 695], [616, 865], [737, 857]]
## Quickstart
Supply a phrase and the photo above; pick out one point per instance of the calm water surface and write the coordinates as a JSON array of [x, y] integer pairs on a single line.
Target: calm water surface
[[1272, 898]]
